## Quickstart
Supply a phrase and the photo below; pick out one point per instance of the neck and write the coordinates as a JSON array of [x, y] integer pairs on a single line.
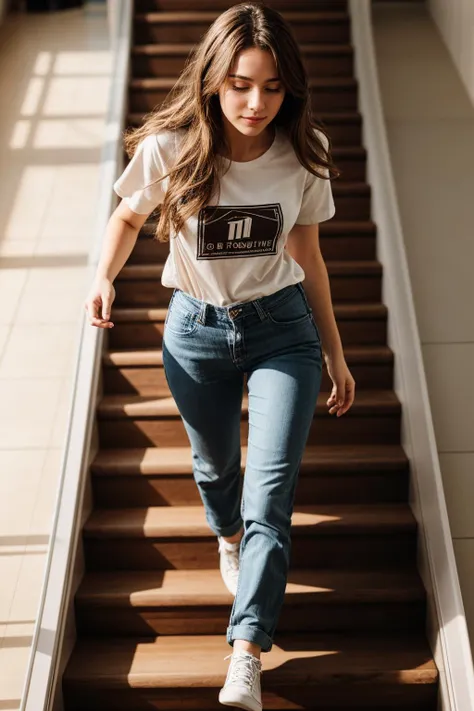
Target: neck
[[244, 149]]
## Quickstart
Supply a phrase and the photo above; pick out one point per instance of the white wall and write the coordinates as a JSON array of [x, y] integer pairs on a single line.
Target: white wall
[[455, 22], [429, 117]]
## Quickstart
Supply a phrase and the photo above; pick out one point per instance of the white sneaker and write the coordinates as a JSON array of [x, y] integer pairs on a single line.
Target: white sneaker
[[229, 563], [242, 685]]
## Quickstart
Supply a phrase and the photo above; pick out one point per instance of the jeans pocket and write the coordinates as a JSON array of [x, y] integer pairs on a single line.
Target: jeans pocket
[[290, 311], [180, 320]]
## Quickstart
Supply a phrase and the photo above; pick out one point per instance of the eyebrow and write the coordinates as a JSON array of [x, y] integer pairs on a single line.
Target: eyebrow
[[239, 76]]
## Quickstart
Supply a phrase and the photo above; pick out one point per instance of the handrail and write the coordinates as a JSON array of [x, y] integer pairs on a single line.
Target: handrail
[[446, 623], [43, 666]]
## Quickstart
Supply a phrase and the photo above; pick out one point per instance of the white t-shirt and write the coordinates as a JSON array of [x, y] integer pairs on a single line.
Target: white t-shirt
[[235, 253]]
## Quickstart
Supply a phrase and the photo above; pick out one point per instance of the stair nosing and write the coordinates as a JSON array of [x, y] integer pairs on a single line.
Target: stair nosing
[[187, 16], [161, 661], [177, 461], [189, 521], [129, 588], [130, 407]]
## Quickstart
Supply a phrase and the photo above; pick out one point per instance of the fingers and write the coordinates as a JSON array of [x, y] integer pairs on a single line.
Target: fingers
[[106, 311], [92, 310], [341, 402], [100, 323]]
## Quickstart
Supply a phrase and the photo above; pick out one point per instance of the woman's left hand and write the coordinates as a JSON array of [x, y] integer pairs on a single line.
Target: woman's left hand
[[343, 390]]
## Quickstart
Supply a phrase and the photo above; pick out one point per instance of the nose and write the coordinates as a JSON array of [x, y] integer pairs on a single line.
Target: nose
[[256, 100]]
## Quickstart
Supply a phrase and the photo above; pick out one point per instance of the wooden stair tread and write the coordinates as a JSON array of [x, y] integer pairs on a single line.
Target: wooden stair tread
[[185, 48], [168, 82], [189, 16], [185, 521], [355, 268], [135, 357], [152, 588], [367, 310], [198, 661], [123, 406], [148, 461]]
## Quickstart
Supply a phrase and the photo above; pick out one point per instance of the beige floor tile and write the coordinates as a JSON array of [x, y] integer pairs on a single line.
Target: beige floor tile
[[13, 252], [13, 668], [53, 295], [69, 133], [21, 135], [62, 416], [10, 568], [72, 244], [29, 586], [12, 282], [18, 634], [4, 335], [11, 704], [79, 95], [98, 62], [66, 216], [28, 185], [458, 482], [451, 392], [59, 227], [42, 519], [54, 347], [27, 412], [20, 474]]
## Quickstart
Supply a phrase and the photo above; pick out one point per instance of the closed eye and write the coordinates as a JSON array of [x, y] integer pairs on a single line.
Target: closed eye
[[245, 88]]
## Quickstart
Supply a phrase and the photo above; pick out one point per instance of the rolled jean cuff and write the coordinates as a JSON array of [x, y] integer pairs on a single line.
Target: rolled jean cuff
[[250, 634], [228, 531]]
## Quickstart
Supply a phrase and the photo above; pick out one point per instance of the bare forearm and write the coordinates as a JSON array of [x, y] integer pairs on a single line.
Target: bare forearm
[[119, 241], [318, 290]]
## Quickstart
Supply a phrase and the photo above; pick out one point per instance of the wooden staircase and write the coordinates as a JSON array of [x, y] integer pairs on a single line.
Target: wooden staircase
[[152, 610]]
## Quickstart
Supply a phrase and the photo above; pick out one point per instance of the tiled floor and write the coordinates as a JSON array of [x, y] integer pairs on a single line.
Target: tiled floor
[[54, 83]]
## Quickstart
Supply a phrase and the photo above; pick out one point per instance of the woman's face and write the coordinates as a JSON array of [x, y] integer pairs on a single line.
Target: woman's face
[[252, 88]]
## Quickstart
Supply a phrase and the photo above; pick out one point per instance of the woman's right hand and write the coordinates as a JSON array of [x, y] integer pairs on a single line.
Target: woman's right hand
[[99, 303]]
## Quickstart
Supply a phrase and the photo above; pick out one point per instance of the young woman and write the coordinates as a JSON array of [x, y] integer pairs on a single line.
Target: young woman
[[238, 174]]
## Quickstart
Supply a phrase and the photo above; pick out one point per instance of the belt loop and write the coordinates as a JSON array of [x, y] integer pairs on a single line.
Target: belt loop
[[260, 310], [202, 313]]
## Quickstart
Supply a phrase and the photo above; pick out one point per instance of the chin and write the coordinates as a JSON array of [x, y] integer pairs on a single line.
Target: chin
[[244, 127]]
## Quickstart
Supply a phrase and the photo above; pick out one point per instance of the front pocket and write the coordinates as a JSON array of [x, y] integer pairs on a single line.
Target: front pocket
[[182, 323], [290, 311]]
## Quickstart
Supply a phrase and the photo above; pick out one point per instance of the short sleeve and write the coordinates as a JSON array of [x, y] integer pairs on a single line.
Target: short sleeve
[[317, 204], [145, 166]]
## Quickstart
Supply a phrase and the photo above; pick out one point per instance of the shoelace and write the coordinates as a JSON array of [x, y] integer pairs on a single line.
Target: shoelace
[[246, 666]]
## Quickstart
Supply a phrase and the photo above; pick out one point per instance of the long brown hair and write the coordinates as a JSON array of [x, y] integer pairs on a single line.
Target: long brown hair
[[193, 105]]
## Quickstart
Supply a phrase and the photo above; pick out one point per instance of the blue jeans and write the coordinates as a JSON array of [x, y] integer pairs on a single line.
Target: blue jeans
[[207, 351]]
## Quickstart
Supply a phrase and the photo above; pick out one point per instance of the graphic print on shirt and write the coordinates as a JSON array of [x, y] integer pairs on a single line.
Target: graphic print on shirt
[[238, 230]]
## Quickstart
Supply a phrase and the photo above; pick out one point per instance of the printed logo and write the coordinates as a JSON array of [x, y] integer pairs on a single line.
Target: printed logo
[[238, 231]]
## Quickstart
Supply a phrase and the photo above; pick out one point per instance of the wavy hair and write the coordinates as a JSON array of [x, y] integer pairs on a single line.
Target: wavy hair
[[193, 105]]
